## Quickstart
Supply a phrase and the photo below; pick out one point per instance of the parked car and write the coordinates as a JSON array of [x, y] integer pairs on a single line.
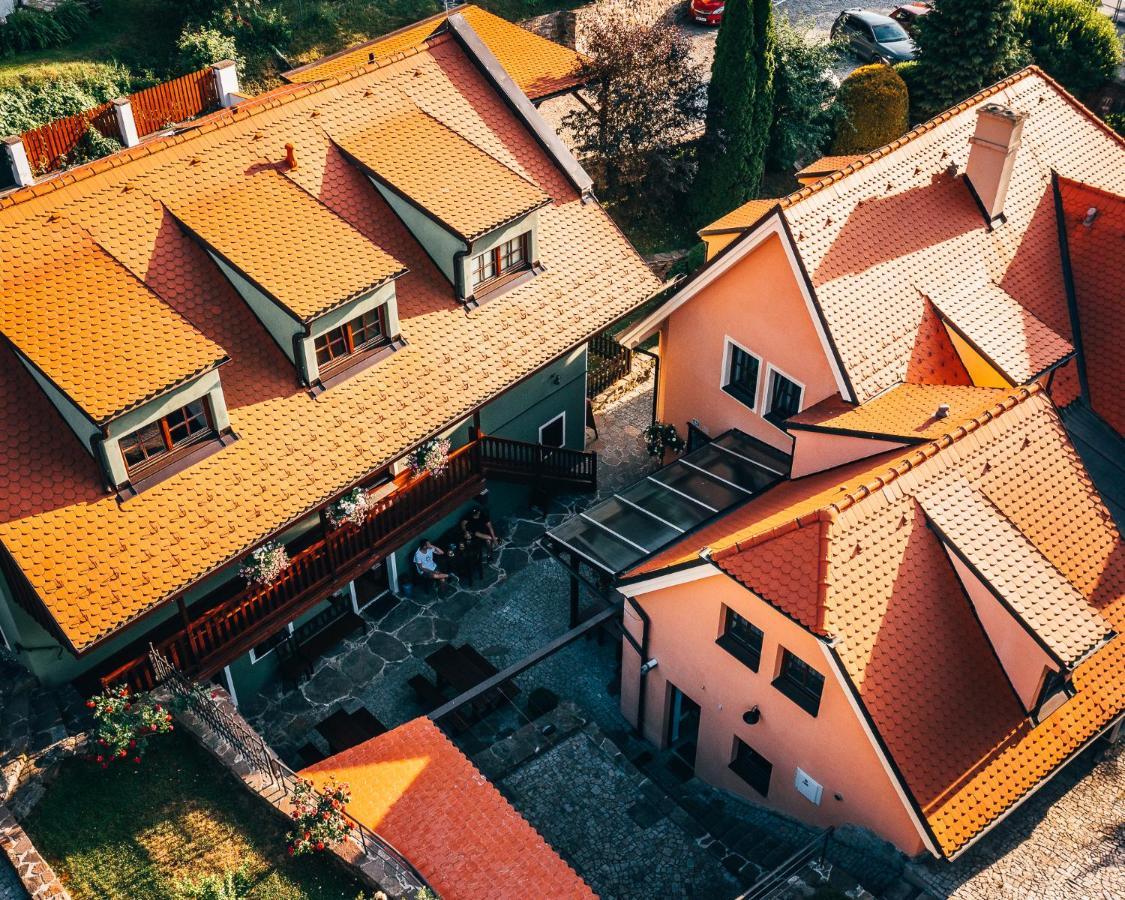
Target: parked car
[[909, 14], [873, 37], [707, 12]]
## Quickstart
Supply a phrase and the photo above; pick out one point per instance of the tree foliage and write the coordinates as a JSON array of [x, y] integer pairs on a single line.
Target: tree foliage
[[732, 155], [27, 104], [1072, 41], [805, 105], [649, 95], [963, 46], [874, 103], [28, 28], [202, 46]]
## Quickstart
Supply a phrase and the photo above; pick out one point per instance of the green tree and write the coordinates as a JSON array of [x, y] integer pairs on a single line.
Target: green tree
[[874, 103], [732, 155], [1072, 41], [963, 46], [805, 107], [201, 46]]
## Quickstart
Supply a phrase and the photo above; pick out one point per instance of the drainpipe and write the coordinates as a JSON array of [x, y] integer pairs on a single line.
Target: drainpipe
[[655, 378], [459, 286]]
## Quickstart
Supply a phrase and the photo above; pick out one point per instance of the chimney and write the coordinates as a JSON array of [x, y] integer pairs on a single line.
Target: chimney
[[17, 160], [226, 81], [992, 155], [126, 124], [291, 156]]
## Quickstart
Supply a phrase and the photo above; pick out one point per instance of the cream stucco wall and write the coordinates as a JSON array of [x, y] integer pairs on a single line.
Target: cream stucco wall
[[757, 303], [831, 747], [815, 451]]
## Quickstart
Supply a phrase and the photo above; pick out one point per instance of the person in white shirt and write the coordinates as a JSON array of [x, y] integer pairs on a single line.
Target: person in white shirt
[[425, 563]]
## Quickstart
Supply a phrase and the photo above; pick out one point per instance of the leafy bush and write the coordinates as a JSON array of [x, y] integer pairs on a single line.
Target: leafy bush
[[804, 106], [30, 29], [661, 437], [201, 46], [318, 818], [874, 103], [72, 16], [92, 145], [27, 104], [1116, 121], [1072, 41], [232, 885], [125, 722]]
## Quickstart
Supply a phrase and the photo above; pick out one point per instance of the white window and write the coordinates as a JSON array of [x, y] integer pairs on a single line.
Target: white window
[[740, 374], [501, 259], [783, 396], [266, 647], [553, 433]]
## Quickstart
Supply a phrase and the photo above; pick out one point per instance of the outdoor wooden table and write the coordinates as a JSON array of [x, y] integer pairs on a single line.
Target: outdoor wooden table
[[343, 730], [463, 668]]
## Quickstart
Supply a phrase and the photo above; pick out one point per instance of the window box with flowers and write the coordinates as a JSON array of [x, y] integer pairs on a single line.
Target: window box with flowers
[[431, 458], [351, 509], [265, 565]]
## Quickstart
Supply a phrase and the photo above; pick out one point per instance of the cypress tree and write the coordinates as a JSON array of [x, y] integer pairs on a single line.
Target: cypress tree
[[963, 46], [732, 154]]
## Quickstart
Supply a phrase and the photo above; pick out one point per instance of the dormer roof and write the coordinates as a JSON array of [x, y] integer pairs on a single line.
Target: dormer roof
[[286, 242], [404, 147], [88, 325]]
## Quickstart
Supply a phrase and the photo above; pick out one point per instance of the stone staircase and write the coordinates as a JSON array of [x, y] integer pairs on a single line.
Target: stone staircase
[[37, 725]]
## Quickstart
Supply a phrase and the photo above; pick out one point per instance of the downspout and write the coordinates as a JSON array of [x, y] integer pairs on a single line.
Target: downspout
[[459, 273], [655, 377]]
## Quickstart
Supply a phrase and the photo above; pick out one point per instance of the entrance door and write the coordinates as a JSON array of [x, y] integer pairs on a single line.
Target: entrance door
[[683, 727]]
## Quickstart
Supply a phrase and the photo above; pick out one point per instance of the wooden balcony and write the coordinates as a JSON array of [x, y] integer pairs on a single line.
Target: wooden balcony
[[209, 640]]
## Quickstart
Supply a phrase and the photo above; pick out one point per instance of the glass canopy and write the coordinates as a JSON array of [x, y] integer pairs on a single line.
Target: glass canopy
[[617, 533]]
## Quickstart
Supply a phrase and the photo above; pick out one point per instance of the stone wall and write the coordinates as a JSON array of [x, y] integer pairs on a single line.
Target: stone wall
[[37, 877]]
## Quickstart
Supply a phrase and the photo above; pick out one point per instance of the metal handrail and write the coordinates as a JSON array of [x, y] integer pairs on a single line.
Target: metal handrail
[[766, 886], [263, 762]]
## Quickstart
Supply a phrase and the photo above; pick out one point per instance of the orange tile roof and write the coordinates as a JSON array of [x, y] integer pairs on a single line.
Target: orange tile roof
[[1007, 487], [285, 241], [1099, 273], [894, 231], [540, 67], [905, 411], [419, 792], [93, 329], [98, 565], [404, 147], [826, 165]]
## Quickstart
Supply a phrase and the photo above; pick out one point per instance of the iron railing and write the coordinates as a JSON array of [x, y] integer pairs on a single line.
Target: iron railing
[[770, 884], [279, 777], [609, 362]]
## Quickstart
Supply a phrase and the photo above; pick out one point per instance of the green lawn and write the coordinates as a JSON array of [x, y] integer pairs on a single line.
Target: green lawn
[[134, 832]]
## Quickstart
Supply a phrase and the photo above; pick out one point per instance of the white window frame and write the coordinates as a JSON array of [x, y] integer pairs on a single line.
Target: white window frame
[[724, 377], [255, 659], [551, 422], [768, 392], [4, 639], [392, 585]]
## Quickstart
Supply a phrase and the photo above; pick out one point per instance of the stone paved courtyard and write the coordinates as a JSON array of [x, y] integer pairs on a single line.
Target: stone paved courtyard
[[10, 886]]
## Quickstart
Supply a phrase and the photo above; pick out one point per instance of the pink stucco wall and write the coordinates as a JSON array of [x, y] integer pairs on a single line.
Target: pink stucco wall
[[1024, 661], [832, 747], [815, 451], [759, 304]]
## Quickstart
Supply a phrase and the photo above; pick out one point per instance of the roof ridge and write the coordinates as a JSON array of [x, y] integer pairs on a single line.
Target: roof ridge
[[830, 511], [212, 122], [922, 128]]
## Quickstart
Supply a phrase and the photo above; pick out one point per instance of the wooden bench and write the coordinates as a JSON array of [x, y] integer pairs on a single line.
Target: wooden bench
[[305, 652]]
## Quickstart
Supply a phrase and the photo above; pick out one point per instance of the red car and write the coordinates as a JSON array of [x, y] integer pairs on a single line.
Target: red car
[[707, 12], [908, 14]]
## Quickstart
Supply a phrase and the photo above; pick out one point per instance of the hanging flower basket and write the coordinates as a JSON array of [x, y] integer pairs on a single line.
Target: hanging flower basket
[[265, 565], [660, 437], [432, 457], [318, 818], [351, 509]]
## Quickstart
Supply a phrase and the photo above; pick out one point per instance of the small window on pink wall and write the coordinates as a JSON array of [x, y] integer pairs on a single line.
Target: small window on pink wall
[[740, 374]]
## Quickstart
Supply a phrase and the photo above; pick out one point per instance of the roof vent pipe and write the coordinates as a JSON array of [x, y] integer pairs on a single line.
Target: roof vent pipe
[[291, 156], [1091, 214], [942, 411], [992, 156]]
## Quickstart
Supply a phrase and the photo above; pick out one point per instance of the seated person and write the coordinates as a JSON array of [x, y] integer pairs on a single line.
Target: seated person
[[472, 556], [425, 563], [480, 526]]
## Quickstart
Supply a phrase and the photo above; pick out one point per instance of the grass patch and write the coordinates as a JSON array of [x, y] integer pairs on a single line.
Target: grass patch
[[134, 833]]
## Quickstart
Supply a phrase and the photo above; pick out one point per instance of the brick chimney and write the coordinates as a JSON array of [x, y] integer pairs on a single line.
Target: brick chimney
[[992, 156]]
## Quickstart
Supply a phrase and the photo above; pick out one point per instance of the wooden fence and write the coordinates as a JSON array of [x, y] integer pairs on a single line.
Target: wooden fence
[[49, 146]]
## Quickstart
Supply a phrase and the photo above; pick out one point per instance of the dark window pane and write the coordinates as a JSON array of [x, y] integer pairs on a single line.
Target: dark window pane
[[142, 444], [187, 422], [742, 376], [785, 398], [742, 639], [752, 767], [367, 329], [800, 682], [331, 345]]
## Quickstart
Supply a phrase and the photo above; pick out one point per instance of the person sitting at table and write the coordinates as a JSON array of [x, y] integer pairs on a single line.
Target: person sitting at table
[[426, 565], [480, 525], [471, 550]]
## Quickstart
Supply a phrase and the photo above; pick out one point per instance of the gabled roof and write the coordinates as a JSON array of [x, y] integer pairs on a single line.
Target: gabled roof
[[898, 230], [433, 167], [539, 66], [414, 788], [906, 412], [99, 565], [285, 241], [85, 322], [826, 165], [855, 555]]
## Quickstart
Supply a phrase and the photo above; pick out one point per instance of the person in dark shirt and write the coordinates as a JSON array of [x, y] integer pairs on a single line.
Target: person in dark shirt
[[480, 527]]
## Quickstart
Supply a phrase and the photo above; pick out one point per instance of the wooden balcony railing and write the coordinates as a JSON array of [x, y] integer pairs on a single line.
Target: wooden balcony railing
[[222, 633]]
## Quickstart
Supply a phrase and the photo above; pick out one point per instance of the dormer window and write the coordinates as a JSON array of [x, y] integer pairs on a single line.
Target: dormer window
[[365, 332], [156, 443], [504, 259]]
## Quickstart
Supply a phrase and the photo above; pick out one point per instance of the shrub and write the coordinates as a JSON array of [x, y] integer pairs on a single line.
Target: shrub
[[1116, 121], [874, 103], [201, 46], [232, 885], [28, 104], [804, 108], [318, 818], [30, 29], [660, 437], [92, 145], [125, 722], [1072, 41]]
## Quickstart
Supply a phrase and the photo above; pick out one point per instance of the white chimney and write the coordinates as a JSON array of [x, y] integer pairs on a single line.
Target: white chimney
[[126, 124], [226, 81], [17, 159], [992, 156]]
